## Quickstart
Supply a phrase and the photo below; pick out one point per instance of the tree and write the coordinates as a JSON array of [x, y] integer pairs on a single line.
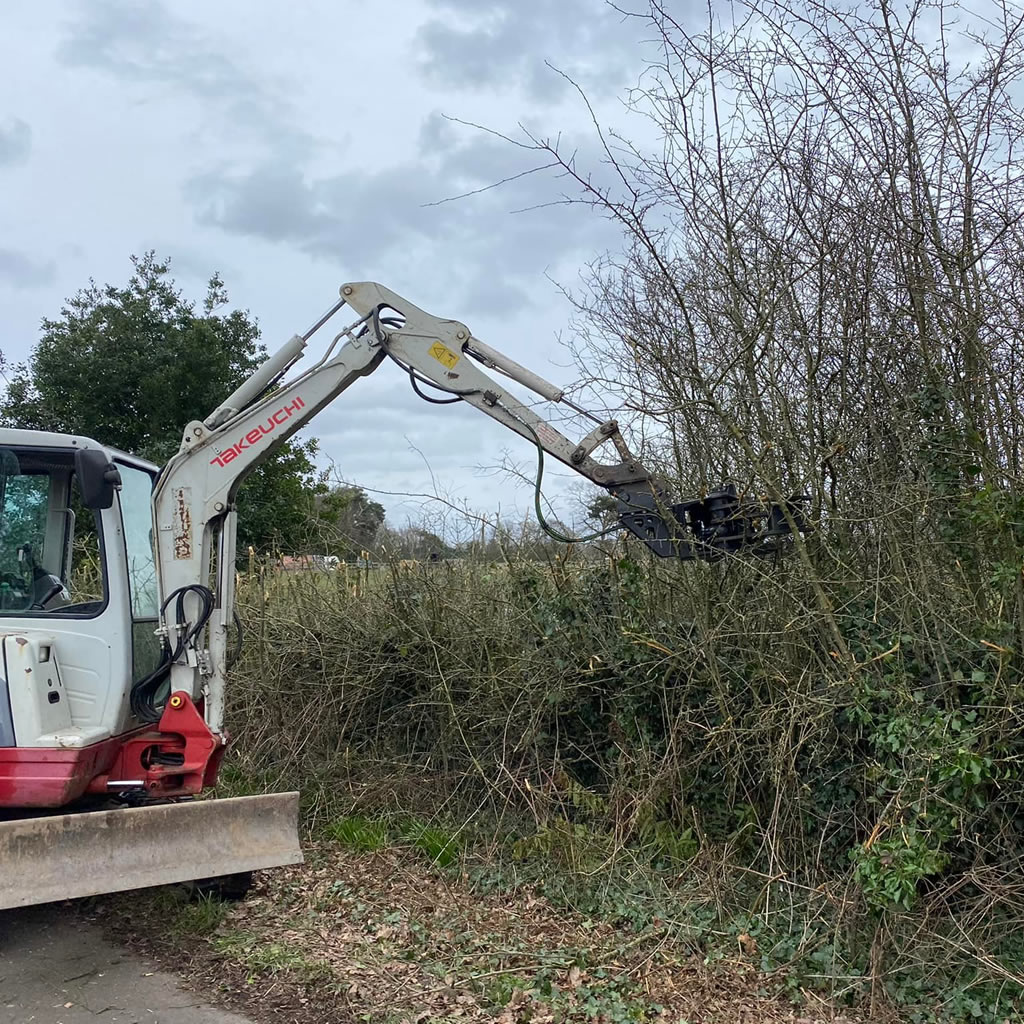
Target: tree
[[346, 523], [414, 542], [132, 365], [602, 509], [821, 293]]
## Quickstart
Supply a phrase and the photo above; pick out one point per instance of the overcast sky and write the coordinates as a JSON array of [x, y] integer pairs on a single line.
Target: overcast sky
[[292, 153]]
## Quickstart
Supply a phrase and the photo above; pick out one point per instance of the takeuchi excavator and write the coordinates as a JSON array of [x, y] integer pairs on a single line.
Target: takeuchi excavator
[[117, 596]]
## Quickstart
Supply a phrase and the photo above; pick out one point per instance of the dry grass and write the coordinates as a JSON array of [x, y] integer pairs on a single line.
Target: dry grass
[[620, 713], [819, 292]]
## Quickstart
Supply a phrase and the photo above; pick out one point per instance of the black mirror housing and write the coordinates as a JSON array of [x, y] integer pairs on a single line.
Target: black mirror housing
[[98, 478]]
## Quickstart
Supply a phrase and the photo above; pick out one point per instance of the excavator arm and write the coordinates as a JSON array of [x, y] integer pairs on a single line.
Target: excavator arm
[[174, 741], [194, 516]]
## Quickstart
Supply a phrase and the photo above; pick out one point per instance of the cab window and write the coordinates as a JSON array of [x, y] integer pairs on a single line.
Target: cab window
[[136, 516], [50, 550], [135, 498]]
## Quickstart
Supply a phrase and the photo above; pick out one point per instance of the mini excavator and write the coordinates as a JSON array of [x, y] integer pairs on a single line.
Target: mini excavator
[[117, 597]]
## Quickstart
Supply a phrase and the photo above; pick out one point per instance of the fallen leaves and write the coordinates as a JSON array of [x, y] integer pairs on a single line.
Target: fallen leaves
[[384, 936]]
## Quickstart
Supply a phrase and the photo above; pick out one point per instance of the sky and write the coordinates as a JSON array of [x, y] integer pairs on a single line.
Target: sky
[[292, 148]]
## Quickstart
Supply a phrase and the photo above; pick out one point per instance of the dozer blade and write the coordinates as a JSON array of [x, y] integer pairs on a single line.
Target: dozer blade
[[70, 855]]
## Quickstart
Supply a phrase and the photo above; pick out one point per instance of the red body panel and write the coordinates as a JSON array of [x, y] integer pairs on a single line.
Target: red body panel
[[177, 757], [46, 777]]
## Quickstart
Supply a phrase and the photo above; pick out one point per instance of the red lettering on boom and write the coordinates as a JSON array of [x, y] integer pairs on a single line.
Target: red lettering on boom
[[282, 415]]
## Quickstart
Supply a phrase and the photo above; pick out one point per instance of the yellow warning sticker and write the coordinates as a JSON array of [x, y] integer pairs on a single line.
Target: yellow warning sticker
[[445, 356]]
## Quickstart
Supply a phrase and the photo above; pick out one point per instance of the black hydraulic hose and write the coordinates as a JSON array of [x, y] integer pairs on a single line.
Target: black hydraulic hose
[[143, 694], [427, 398], [378, 323], [537, 497], [417, 379]]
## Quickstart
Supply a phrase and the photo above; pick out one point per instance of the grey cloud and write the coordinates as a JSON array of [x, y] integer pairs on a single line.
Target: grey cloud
[[144, 42], [437, 134], [495, 292], [272, 202], [20, 270], [490, 44], [476, 246], [15, 141], [379, 430]]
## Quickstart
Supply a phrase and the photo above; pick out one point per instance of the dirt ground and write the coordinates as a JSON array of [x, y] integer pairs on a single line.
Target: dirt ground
[[386, 937]]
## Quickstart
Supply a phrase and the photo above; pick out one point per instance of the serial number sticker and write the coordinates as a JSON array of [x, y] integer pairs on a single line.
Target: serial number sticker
[[445, 356]]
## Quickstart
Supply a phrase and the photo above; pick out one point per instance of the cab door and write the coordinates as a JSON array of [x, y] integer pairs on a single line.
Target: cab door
[[134, 502], [63, 621]]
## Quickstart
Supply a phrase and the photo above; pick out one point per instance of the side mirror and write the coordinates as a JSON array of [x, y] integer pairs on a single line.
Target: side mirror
[[98, 478]]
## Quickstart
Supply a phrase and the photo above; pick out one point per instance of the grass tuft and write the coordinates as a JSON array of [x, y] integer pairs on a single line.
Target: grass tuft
[[359, 833]]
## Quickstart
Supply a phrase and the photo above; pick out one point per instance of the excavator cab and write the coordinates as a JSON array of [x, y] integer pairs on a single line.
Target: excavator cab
[[52, 544], [51, 555], [79, 619], [78, 609]]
